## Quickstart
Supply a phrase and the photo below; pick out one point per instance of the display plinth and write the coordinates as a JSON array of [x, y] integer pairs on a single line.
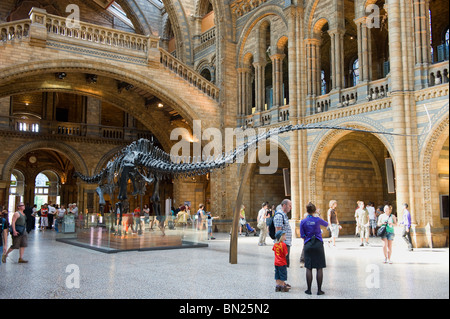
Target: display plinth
[[98, 238]]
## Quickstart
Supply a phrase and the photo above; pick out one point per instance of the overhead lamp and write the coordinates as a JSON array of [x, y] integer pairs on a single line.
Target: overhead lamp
[[61, 75], [160, 105]]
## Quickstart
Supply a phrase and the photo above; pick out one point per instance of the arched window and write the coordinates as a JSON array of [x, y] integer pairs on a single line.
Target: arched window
[[323, 83], [42, 185], [355, 72]]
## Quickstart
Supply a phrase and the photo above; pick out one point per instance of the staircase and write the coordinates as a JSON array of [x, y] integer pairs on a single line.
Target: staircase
[[46, 30]]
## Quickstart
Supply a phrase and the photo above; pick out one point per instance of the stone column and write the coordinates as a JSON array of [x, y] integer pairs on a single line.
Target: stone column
[[421, 43], [364, 54], [313, 65], [337, 58], [5, 107], [403, 106], [277, 79], [244, 94], [93, 116], [259, 85]]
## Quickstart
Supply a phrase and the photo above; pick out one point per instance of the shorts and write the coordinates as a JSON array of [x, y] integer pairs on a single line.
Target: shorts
[[44, 221], [334, 230], [19, 241], [281, 273], [209, 229], [388, 236], [373, 223]]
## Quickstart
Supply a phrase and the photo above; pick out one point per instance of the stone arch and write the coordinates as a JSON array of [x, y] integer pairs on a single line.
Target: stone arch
[[282, 43], [260, 14], [432, 147], [77, 160], [320, 153], [201, 7], [317, 27], [26, 70], [246, 170], [181, 30], [309, 16]]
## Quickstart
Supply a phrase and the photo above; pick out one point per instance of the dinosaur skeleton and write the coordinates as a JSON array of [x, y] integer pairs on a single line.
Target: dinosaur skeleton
[[143, 162]]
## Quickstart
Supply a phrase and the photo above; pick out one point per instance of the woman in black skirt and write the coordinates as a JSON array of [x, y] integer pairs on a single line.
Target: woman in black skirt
[[313, 247]]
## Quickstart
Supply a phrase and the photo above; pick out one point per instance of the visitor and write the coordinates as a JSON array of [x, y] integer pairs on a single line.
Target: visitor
[[137, 220], [281, 222], [33, 217], [362, 223], [182, 217], [314, 253], [29, 213], [390, 221], [51, 215], [19, 234], [4, 226], [209, 220], [44, 217], [333, 222], [372, 219], [406, 222], [146, 211], [60, 212], [200, 216], [242, 220], [281, 251], [262, 225]]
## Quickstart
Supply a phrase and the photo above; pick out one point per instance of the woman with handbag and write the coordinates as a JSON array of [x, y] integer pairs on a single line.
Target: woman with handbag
[[386, 222], [19, 235]]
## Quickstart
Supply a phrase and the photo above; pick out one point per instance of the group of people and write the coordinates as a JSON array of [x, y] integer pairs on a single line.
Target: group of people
[[23, 222], [313, 252], [313, 255]]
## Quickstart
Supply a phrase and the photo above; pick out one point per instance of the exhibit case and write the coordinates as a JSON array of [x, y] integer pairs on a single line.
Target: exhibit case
[[111, 233]]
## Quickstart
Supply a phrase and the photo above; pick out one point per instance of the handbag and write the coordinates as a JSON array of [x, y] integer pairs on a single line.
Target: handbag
[[262, 224], [382, 230], [19, 228]]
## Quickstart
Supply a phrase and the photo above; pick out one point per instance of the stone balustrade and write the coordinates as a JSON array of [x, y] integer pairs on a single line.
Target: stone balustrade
[[189, 74], [15, 30]]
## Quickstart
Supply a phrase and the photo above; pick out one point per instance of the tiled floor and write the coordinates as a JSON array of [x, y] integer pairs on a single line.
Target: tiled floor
[[352, 272]]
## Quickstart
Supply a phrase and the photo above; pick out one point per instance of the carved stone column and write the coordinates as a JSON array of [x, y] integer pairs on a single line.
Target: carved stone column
[[337, 58], [313, 65], [277, 78], [244, 91], [364, 54], [259, 85]]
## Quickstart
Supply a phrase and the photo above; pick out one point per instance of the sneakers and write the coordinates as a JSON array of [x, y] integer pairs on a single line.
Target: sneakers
[[22, 261], [3, 258]]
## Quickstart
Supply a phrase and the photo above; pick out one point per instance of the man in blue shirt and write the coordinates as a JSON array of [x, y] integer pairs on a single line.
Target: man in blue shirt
[[406, 222], [281, 222]]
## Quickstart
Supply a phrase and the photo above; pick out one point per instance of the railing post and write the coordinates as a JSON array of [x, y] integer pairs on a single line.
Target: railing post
[[153, 53], [38, 29]]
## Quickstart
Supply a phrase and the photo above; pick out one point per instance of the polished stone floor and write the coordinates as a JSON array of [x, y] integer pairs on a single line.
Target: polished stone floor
[[59, 270]]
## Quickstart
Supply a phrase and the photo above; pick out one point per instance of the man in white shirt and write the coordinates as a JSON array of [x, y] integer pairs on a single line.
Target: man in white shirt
[[372, 218], [262, 225]]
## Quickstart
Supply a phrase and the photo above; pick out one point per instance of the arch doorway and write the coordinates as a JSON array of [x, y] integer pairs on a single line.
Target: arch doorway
[[354, 169]]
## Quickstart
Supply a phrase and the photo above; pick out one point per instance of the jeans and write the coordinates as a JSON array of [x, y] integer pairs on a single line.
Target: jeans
[[407, 237]]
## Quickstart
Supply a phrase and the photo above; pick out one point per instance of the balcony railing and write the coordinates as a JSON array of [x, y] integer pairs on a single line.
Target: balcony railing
[[15, 30], [189, 74], [68, 129]]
